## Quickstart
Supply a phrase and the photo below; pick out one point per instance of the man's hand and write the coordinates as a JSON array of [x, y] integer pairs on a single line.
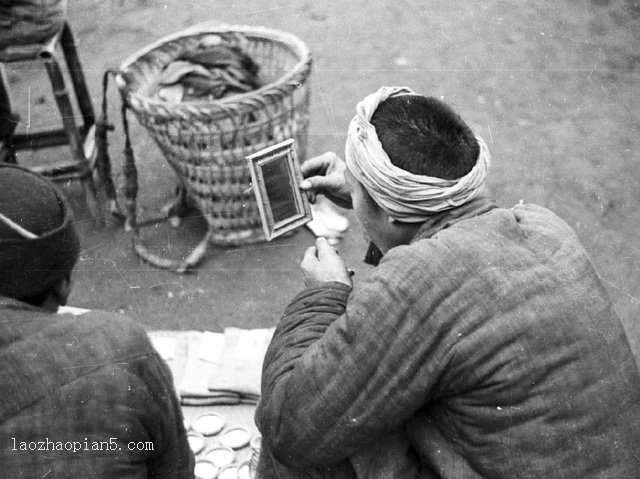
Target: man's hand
[[322, 264], [324, 175]]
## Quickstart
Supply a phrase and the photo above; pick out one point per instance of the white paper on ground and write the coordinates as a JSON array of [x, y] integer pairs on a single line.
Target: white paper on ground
[[211, 346], [166, 347]]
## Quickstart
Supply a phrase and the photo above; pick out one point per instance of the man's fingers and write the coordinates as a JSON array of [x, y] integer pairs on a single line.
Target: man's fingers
[[310, 255], [311, 196], [314, 166], [314, 183], [324, 248], [322, 264]]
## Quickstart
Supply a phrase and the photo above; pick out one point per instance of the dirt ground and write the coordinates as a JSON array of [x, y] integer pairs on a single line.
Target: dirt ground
[[552, 86]]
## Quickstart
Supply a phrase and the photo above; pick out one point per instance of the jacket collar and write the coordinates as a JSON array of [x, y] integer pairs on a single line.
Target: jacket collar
[[12, 303], [445, 219]]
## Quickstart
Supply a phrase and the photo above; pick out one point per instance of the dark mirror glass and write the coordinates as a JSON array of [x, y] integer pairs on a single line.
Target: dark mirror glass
[[280, 189]]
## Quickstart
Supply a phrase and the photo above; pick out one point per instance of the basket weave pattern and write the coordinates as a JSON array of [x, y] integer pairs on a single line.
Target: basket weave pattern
[[206, 141]]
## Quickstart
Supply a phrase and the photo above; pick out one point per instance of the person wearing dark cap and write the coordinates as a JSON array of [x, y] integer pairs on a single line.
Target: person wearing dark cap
[[81, 396]]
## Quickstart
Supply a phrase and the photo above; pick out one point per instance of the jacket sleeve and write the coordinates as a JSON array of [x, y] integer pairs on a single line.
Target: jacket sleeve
[[346, 368], [145, 400], [175, 458]]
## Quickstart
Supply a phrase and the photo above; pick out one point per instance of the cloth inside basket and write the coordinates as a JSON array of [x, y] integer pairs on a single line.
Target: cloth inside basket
[[212, 70]]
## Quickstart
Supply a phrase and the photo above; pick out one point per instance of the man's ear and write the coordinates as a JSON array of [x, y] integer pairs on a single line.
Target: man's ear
[[62, 290]]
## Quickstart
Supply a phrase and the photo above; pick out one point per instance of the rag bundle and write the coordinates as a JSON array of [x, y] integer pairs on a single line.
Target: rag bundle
[[211, 71], [26, 22]]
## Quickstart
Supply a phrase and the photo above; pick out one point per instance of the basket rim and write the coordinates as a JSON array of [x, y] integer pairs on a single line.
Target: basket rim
[[300, 47]]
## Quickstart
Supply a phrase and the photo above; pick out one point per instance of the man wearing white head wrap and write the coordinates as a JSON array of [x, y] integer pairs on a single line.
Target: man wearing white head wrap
[[483, 344], [403, 195]]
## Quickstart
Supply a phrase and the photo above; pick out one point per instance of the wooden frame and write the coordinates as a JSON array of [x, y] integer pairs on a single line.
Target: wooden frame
[[276, 177]]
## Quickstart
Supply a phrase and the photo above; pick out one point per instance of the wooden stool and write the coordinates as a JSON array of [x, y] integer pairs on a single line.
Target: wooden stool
[[78, 137]]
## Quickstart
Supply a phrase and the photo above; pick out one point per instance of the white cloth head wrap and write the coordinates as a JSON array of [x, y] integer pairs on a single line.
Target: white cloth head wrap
[[404, 196]]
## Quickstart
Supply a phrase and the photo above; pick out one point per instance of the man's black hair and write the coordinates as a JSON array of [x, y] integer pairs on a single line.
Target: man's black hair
[[425, 136]]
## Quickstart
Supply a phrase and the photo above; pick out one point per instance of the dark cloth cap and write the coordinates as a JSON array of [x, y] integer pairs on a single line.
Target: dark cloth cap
[[29, 267]]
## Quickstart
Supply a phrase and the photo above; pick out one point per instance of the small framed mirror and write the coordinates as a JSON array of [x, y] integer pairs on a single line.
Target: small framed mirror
[[276, 177]]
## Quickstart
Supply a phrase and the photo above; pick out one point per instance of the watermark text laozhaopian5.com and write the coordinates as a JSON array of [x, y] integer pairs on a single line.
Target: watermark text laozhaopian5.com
[[47, 444]]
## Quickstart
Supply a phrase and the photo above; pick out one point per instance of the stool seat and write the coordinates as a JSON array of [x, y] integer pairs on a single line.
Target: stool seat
[[78, 137], [20, 53]]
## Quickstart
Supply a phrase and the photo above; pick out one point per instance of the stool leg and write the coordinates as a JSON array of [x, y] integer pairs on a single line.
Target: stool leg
[[62, 99], [68, 45], [8, 122], [103, 165]]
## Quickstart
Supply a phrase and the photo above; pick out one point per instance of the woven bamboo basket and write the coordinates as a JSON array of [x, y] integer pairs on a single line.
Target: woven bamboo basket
[[206, 141]]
